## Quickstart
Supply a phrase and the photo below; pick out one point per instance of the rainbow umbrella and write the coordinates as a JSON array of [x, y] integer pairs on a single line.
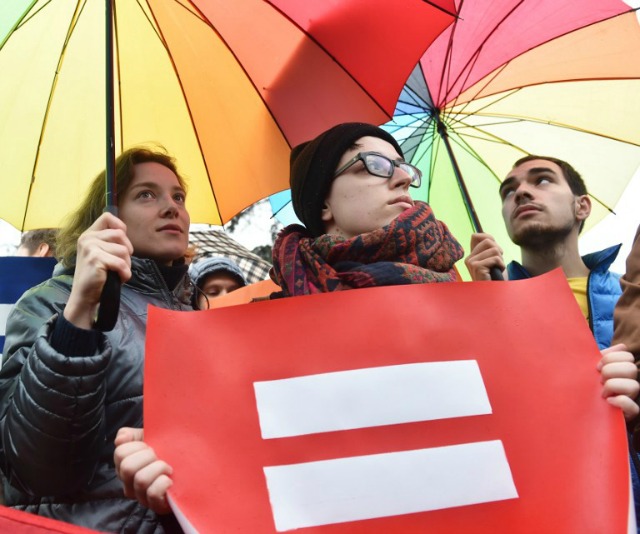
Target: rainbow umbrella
[[226, 87], [517, 77]]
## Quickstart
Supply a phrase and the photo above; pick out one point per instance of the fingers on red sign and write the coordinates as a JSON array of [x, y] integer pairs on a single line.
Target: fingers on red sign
[[386, 484]]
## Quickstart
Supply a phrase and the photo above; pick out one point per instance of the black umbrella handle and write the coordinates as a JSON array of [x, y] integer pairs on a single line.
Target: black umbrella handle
[[496, 274], [109, 303], [110, 296]]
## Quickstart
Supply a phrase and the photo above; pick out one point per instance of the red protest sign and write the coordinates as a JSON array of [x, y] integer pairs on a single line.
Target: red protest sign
[[439, 408]]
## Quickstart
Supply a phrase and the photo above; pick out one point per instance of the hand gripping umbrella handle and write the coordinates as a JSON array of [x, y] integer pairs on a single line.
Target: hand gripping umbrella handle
[[109, 303], [496, 274], [110, 296]]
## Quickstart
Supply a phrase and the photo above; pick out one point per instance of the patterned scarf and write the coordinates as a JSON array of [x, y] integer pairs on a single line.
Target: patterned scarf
[[415, 248]]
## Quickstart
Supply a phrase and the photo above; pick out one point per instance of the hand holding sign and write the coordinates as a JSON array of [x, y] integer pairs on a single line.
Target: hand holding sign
[[145, 477], [620, 379]]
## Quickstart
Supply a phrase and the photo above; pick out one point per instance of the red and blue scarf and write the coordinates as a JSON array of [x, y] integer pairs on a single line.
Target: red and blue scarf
[[415, 248]]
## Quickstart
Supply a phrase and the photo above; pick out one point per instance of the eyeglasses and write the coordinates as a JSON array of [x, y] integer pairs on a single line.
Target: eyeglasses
[[379, 165]]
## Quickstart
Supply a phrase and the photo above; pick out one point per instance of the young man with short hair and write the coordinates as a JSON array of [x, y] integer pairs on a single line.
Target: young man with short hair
[[544, 206]]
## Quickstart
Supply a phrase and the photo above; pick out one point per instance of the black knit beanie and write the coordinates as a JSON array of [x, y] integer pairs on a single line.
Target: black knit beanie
[[314, 163]]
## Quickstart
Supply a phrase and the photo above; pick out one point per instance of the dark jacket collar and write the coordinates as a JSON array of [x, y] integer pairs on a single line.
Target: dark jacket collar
[[146, 277]]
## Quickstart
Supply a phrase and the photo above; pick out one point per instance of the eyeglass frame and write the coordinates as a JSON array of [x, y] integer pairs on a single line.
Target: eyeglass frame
[[360, 156]]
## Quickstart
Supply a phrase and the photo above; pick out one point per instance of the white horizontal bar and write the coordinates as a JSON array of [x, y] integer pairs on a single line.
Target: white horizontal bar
[[370, 397], [383, 485]]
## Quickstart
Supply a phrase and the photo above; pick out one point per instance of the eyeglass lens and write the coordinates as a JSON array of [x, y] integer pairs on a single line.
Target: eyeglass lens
[[382, 166]]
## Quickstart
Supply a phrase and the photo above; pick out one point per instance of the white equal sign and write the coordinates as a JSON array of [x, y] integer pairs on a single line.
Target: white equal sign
[[380, 485]]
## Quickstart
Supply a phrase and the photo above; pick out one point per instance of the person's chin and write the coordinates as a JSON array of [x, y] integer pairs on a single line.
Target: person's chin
[[168, 254], [390, 219], [401, 208], [532, 233]]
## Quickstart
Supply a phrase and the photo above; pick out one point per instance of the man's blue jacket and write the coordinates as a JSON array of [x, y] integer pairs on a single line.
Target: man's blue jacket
[[603, 291]]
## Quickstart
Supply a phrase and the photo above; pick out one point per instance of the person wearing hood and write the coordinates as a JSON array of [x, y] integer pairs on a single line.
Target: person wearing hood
[[214, 277]]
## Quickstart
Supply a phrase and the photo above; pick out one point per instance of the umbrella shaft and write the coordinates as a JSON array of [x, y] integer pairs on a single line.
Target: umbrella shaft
[[466, 197], [495, 272], [110, 185]]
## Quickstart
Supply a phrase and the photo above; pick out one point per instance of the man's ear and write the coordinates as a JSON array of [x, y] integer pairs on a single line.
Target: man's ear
[[583, 207], [42, 251]]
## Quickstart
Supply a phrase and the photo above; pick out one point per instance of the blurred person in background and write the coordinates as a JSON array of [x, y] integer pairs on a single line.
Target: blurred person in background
[[214, 277], [40, 243]]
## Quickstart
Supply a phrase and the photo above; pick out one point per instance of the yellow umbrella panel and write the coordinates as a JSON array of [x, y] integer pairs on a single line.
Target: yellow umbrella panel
[[226, 87]]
